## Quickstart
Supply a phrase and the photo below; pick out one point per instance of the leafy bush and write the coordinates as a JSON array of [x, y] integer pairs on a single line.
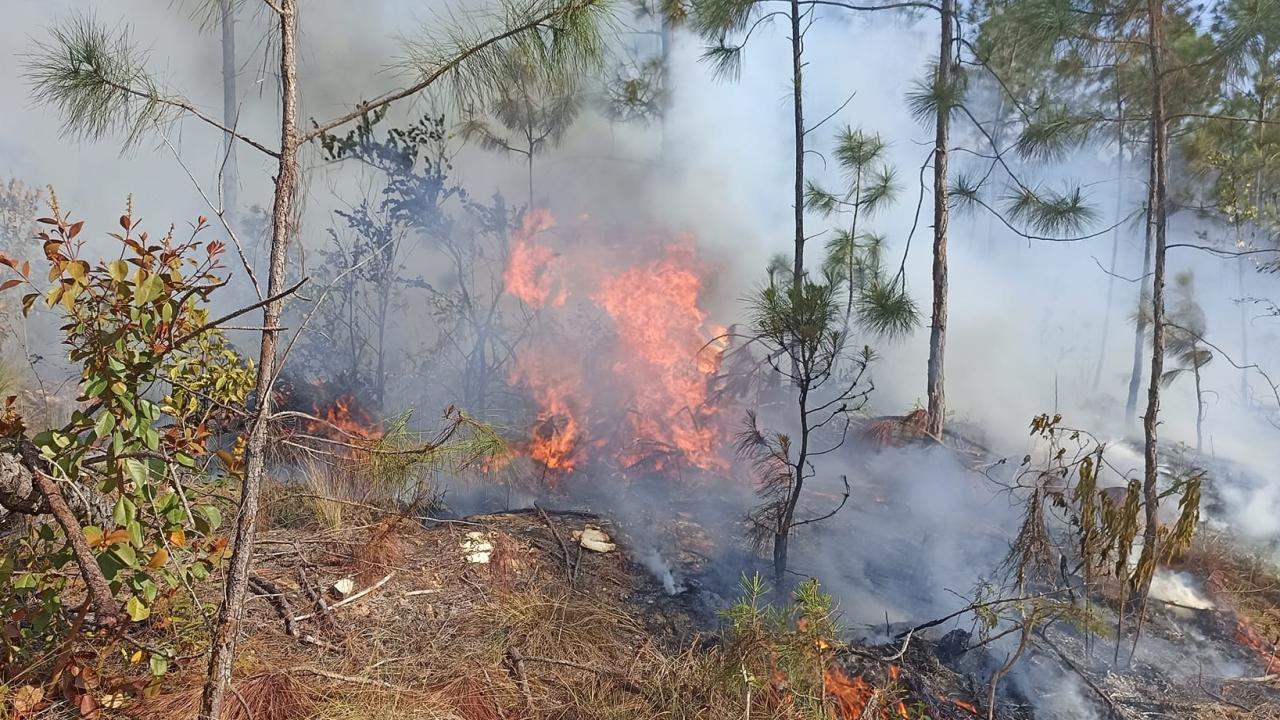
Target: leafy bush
[[138, 329]]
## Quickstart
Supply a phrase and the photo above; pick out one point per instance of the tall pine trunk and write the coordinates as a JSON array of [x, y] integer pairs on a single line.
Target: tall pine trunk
[[797, 65], [1115, 242], [1244, 332], [938, 328], [1195, 354], [1159, 214], [230, 172], [223, 644], [1140, 327]]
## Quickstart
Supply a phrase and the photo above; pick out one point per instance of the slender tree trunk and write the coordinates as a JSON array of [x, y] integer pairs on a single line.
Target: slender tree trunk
[[230, 172], [1195, 354], [938, 329], [1140, 328], [1160, 180], [793, 499], [1115, 243], [666, 35], [223, 643], [797, 90], [1244, 333], [853, 244], [798, 100], [797, 48]]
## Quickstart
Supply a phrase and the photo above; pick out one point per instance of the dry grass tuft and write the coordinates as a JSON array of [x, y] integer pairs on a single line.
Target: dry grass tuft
[[1246, 581], [264, 696], [381, 552]]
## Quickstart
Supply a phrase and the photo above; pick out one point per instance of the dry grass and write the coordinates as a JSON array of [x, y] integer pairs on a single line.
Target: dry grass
[[262, 696], [1249, 583], [437, 640]]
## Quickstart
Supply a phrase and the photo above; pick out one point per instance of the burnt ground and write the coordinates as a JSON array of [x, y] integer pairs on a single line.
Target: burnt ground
[[547, 629]]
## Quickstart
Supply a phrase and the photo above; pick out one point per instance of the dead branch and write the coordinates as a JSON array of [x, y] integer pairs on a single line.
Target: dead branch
[[349, 600], [105, 608], [622, 678], [353, 679], [976, 606], [274, 596], [516, 662], [1111, 704], [564, 549]]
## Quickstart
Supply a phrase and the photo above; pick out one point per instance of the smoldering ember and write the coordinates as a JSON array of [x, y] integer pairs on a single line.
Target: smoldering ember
[[601, 360]]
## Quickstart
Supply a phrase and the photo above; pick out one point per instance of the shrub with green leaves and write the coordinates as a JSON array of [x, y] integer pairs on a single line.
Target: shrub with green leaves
[[781, 654], [152, 374]]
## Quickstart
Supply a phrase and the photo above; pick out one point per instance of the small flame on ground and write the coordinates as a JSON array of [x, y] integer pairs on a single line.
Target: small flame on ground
[[1247, 636], [343, 419], [853, 697], [970, 707], [850, 695]]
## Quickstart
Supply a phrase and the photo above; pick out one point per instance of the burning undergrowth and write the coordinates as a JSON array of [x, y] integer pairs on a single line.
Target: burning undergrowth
[[621, 374], [622, 357]]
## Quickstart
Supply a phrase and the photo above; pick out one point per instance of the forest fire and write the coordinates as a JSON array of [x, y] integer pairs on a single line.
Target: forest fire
[[1248, 637], [620, 361], [343, 417], [855, 698], [334, 414], [528, 274]]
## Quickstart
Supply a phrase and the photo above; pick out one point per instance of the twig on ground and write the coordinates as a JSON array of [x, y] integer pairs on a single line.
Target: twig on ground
[[516, 662], [1111, 704], [353, 679], [317, 642], [564, 549], [621, 677], [275, 597], [349, 600]]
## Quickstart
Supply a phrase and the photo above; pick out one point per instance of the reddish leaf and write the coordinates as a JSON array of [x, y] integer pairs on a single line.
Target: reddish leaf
[[26, 269], [125, 221], [47, 221], [75, 230], [7, 284]]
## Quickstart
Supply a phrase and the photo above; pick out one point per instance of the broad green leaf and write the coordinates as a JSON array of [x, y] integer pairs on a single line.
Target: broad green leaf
[[137, 610], [159, 665], [210, 514], [136, 470], [118, 269], [106, 422]]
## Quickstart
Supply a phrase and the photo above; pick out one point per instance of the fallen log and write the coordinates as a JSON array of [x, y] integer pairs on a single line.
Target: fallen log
[[27, 488]]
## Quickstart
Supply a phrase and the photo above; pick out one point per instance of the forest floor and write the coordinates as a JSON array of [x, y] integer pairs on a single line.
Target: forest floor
[[507, 615]]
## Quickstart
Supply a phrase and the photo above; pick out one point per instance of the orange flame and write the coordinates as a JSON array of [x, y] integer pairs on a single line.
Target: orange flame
[[1247, 636], [657, 372], [528, 273], [660, 332], [344, 418], [850, 695], [894, 674], [965, 706], [554, 438]]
